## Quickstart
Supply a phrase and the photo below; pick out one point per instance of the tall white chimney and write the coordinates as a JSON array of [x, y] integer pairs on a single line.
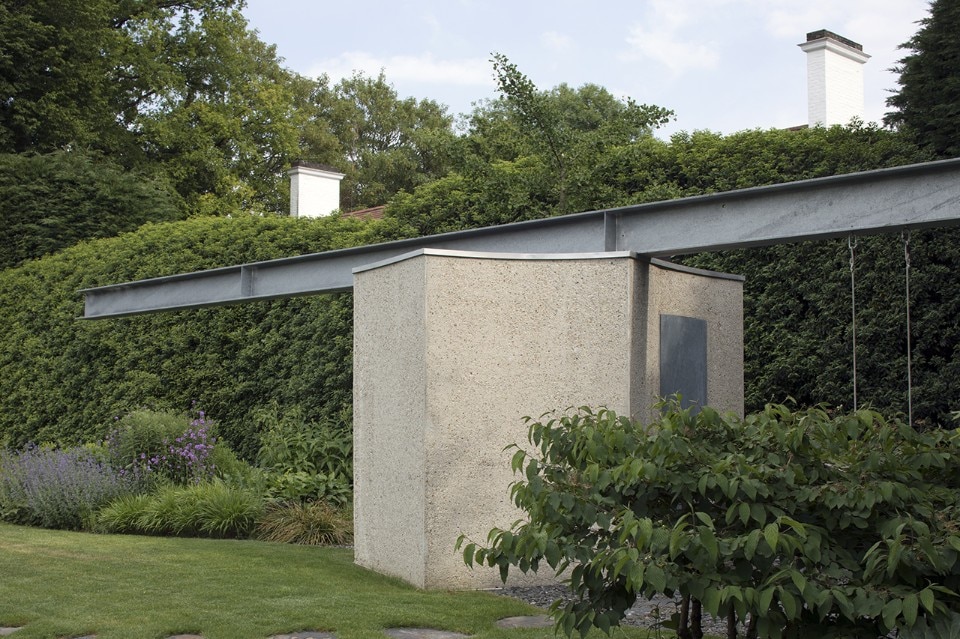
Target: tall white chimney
[[314, 190], [834, 78]]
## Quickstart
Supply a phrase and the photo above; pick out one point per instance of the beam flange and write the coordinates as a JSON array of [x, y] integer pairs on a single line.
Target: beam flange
[[886, 200]]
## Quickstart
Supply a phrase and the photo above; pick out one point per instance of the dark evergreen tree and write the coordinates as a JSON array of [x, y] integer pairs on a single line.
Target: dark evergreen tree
[[928, 102]]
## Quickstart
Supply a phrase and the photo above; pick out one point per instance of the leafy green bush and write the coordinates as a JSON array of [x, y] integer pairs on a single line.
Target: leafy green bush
[[796, 524], [314, 523], [56, 488], [209, 509], [303, 460]]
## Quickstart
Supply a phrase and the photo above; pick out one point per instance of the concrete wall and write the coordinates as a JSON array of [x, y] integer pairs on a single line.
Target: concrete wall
[[715, 297], [451, 351]]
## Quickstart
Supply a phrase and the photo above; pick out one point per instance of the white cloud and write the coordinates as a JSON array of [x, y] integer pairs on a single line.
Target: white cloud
[[667, 35], [556, 41], [422, 69]]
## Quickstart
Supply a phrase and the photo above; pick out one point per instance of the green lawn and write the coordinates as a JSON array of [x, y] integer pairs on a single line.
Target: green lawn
[[62, 584]]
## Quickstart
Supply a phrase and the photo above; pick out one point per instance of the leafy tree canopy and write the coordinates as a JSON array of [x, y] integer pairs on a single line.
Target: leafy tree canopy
[[384, 144], [182, 85]]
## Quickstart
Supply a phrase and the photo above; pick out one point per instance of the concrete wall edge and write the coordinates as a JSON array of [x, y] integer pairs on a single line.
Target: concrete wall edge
[[489, 255]]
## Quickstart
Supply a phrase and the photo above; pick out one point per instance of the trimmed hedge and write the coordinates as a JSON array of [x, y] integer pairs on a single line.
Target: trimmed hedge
[[65, 380]]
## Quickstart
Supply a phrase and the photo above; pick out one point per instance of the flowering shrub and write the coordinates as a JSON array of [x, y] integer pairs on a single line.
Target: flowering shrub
[[164, 446], [186, 458], [58, 488]]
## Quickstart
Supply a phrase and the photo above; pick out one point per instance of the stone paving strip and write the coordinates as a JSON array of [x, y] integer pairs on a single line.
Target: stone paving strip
[[422, 633]]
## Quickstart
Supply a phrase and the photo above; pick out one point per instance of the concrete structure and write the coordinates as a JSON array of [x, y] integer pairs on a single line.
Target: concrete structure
[[834, 78], [446, 345], [452, 349], [314, 190]]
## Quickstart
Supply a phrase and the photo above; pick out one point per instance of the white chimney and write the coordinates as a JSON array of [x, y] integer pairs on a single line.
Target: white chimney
[[314, 190], [834, 78]]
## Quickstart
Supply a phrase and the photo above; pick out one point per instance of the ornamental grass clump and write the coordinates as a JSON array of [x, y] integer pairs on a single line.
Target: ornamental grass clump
[[209, 509], [56, 488], [314, 523]]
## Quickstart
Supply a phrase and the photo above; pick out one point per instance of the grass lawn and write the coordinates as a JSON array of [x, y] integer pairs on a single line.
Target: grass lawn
[[64, 584]]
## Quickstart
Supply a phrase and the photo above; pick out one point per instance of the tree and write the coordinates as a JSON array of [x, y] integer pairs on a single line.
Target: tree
[[79, 72], [569, 127], [179, 84], [528, 155], [384, 144], [928, 102], [51, 201], [227, 121]]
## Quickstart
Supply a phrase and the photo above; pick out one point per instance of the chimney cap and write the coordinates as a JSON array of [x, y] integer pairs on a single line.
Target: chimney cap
[[314, 165], [824, 34]]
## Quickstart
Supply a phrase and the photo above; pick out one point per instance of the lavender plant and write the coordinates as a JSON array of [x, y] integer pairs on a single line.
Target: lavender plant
[[56, 488]]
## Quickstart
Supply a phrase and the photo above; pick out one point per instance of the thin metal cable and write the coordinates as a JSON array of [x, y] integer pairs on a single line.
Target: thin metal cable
[[906, 260], [852, 243]]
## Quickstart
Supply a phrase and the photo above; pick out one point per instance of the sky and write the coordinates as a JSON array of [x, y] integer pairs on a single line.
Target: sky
[[720, 65]]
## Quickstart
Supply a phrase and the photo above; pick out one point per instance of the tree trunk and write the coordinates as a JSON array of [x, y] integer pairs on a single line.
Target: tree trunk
[[752, 627], [683, 630], [732, 624], [696, 616]]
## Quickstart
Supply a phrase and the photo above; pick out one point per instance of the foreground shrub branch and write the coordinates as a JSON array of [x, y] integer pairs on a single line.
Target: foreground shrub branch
[[786, 524]]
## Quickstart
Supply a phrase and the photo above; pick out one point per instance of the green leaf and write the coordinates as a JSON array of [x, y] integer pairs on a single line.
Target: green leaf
[[893, 559], [824, 604], [954, 542], [798, 580], [711, 601], [709, 542], [750, 546], [771, 533], [656, 577], [790, 608], [468, 554], [910, 605], [516, 462], [702, 485], [744, 510], [766, 598], [890, 613], [927, 599]]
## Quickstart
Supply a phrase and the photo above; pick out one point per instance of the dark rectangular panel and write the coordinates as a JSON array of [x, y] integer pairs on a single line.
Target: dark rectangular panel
[[683, 359]]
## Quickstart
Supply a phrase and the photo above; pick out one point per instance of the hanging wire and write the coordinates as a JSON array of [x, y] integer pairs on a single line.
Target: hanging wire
[[905, 235], [852, 243]]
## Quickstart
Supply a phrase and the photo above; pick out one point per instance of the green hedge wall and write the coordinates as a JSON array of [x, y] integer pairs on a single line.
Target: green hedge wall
[[63, 379], [798, 324]]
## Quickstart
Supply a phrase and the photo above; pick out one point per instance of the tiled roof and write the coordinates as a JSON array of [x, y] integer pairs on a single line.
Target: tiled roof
[[373, 213]]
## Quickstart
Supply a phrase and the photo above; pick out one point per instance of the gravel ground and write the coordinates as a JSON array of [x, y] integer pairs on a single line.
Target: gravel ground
[[644, 613]]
